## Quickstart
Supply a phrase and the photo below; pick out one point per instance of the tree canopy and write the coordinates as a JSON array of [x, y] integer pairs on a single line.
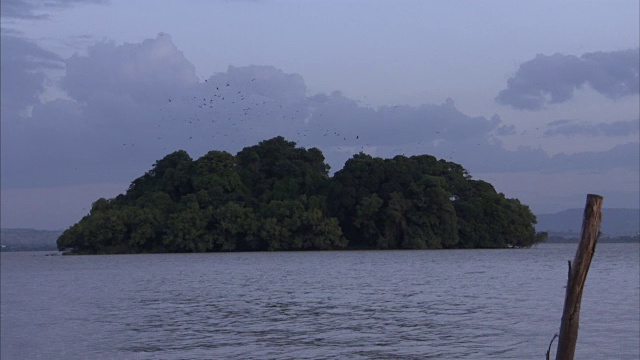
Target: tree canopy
[[276, 196]]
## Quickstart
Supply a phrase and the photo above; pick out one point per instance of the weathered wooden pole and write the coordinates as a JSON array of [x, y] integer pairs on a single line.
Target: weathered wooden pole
[[578, 269]]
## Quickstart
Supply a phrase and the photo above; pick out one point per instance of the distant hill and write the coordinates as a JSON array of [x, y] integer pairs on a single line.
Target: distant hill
[[615, 222], [28, 239]]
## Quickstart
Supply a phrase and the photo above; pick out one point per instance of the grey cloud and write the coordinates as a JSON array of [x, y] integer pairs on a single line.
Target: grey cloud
[[395, 125], [35, 10], [148, 72], [569, 128], [553, 79], [529, 159], [614, 74], [262, 81], [123, 117], [21, 9], [621, 156], [560, 122], [506, 130], [116, 137], [23, 64]]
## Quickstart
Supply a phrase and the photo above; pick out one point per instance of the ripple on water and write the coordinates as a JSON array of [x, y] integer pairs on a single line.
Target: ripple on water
[[316, 305]]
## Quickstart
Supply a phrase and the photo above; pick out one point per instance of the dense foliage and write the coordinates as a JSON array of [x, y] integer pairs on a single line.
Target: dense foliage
[[274, 196]]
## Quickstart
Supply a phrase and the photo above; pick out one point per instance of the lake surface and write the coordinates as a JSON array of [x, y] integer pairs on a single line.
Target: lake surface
[[453, 304]]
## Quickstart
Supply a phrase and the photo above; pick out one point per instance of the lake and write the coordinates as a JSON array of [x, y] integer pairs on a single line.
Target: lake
[[447, 304]]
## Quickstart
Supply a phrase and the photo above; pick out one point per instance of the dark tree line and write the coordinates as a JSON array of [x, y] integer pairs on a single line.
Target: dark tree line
[[274, 196]]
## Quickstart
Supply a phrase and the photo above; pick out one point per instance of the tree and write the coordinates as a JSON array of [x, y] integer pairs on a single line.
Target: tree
[[235, 227], [276, 170], [275, 196], [185, 230], [171, 175]]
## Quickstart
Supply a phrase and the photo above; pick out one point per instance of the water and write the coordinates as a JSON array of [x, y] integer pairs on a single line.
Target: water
[[462, 304]]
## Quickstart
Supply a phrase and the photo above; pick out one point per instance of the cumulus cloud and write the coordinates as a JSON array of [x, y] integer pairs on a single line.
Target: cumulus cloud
[[149, 72], [553, 79], [131, 104], [572, 128], [23, 66]]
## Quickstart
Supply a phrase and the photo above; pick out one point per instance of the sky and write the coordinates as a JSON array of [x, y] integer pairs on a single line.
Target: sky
[[541, 99]]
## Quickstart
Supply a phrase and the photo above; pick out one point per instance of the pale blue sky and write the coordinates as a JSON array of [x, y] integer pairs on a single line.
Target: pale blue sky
[[379, 54]]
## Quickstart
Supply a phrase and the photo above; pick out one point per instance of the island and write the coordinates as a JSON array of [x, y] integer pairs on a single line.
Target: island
[[275, 196]]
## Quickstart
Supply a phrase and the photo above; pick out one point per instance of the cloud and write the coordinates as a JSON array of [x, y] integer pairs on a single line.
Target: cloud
[[21, 9], [506, 130], [614, 74], [131, 104], [149, 72], [621, 156], [571, 128], [553, 79], [23, 66], [36, 10]]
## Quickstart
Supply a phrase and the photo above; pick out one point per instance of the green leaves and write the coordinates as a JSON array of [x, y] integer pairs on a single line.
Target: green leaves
[[275, 196], [420, 202]]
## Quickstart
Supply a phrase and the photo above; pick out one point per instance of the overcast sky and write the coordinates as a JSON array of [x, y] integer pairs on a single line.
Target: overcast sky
[[539, 98]]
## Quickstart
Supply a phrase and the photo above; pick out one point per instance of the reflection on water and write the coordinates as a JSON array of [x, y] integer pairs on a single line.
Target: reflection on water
[[472, 304]]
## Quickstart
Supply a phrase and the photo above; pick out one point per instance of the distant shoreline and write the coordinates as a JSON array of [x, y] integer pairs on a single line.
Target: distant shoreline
[[631, 239], [568, 223], [20, 239]]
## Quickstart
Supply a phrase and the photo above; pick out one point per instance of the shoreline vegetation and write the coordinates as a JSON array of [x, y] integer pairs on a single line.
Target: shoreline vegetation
[[45, 240], [275, 196]]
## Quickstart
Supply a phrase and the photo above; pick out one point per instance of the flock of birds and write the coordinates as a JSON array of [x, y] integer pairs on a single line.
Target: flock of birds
[[228, 112], [236, 116]]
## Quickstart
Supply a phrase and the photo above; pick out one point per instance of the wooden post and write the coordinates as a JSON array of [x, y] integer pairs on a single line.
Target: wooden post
[[578, 269]]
